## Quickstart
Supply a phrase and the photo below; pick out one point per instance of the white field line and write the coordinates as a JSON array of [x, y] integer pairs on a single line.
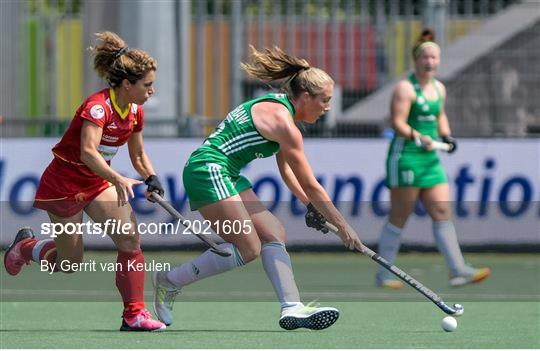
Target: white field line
[[6, 293]]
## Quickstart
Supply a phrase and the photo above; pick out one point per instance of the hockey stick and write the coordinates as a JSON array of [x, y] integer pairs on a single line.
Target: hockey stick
[[456, 310], [169, 208], [438, 145]]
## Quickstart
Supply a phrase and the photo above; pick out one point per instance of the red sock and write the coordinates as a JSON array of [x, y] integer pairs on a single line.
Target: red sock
[[47, 250], [130, 282]]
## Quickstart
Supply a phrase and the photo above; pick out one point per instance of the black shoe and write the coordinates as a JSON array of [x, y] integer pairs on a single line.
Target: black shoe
[[13, 260]]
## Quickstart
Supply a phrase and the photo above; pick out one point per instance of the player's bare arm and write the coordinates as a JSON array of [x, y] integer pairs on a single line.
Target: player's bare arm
[[443, 124], [285, 132], [290, 179], [402, 98], [139, 159], [275, 123]]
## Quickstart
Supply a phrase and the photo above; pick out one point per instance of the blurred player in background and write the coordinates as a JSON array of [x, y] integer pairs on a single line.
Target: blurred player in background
[[413, 169], [258, 128], [80, 177]]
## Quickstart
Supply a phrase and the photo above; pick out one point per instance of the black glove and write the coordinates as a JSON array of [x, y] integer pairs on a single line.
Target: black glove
[[451, 141], [154, 185], [315, 219]]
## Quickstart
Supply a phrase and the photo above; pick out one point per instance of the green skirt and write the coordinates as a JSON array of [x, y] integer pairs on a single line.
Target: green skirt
[[423, 170], [207, 183]]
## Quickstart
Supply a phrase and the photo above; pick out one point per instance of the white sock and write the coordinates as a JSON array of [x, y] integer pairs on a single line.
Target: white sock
[[447, 243], [277, 265], [206, 265], [389, 243], [36, 250]]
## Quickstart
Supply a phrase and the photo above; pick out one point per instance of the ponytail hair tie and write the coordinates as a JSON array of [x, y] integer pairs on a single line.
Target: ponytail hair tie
[[121, 52]]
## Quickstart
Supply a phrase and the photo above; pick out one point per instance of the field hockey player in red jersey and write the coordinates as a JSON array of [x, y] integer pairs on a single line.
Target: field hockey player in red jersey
[[80, 178]]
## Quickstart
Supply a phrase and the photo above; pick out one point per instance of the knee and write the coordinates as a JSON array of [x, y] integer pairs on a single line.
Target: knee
[[399, 214], [398, 220], [276, 233], [440, 212], [250, 251], [129, 243]]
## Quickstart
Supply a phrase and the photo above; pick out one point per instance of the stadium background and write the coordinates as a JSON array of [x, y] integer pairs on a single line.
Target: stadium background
[[490, 65]]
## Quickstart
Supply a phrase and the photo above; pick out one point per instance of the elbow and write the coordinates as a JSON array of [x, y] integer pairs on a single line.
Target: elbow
[[399, 125], [86, 155]]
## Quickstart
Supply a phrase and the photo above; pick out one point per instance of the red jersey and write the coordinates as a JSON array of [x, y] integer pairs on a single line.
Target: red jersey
[[102, 110]]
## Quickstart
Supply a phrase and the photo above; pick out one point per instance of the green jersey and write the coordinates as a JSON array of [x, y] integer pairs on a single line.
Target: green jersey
[[423, 117], [212, 172], [411, 165], [236, 142]]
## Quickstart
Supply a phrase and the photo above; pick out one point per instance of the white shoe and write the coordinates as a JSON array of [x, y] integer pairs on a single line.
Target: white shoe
[[469, 275], [309, 317], [164, 294]]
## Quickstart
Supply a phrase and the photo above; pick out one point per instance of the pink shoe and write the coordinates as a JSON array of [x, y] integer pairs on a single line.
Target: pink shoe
[[13, 259], [141, 322]]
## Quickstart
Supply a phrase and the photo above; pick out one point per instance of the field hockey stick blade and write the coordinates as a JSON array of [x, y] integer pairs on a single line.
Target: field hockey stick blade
[[456, 310], [169, 208]]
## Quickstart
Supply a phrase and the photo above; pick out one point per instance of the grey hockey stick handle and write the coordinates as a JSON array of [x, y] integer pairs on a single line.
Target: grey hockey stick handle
[[169, 208], [437, 145]]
